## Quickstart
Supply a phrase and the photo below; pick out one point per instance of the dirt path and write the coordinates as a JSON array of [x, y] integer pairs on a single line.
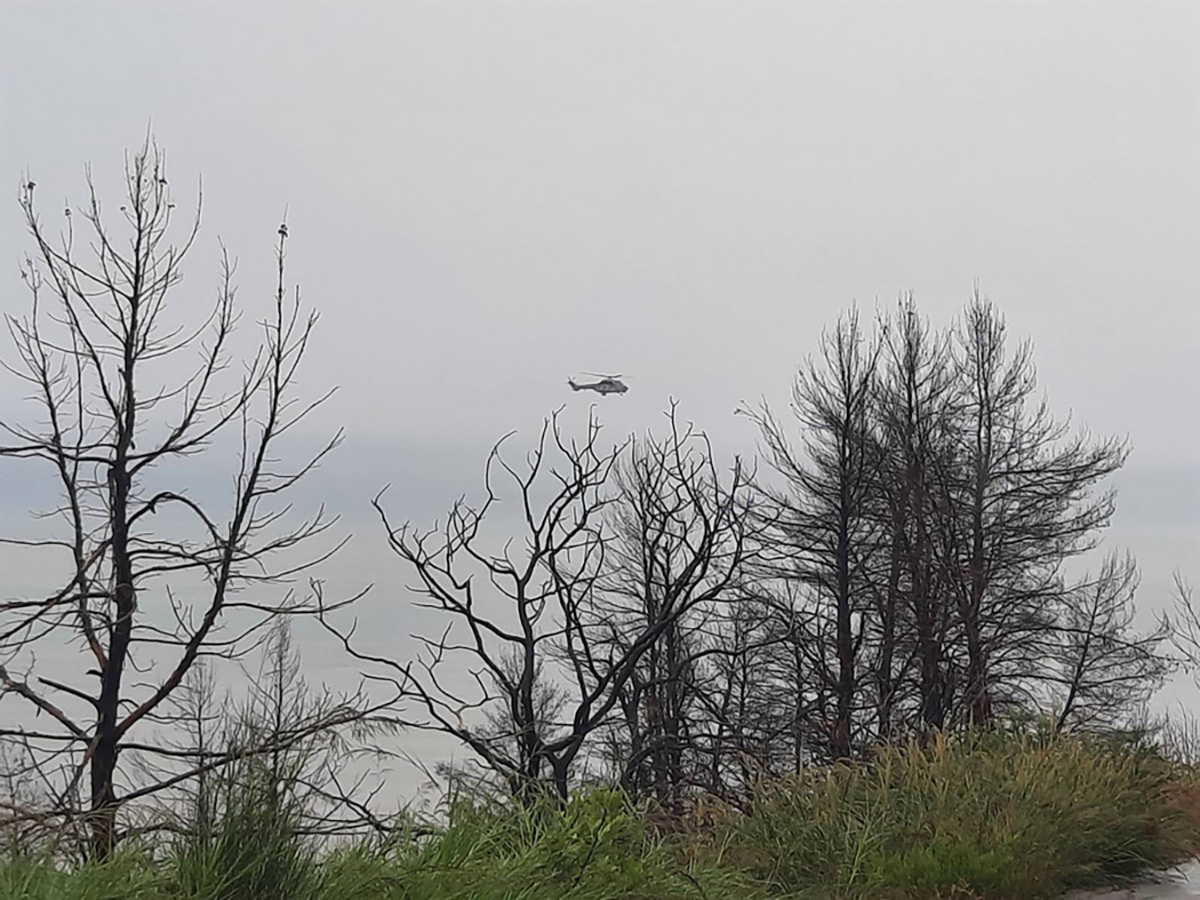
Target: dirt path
[[1179, 884]]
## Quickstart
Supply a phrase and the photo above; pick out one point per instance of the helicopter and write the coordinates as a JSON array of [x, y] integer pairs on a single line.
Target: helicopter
[[608, 384]]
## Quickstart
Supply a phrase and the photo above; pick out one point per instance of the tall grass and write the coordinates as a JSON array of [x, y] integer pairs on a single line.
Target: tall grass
[[993, 816], [242, 841], [1004, 816], [595, 847]]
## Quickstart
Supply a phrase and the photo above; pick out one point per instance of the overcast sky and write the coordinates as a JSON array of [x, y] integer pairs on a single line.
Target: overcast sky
[[485, 198]]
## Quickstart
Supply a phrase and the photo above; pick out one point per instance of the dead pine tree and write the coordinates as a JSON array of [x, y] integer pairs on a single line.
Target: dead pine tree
[[1018, 498], [137, 529], [1104, 670], [823, 534], [915, 407]]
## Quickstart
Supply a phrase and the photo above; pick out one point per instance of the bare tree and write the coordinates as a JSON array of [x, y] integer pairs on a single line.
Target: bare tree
[[682, 540], [1183, 627], [298, 743], [1104, 671], [824, 533], [97, 352], [756, 695], [916, 407], [1017, 503], [534, 610], [511, 612]]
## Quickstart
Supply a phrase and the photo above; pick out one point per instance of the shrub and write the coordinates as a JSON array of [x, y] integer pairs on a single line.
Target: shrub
[[242, 840], [1000, 814]]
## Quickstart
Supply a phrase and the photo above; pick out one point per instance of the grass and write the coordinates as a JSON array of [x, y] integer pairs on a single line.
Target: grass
[[988, 816], [997, 816]]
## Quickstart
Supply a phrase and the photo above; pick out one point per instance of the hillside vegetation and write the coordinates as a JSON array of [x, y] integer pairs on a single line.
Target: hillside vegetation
[[988, 816]]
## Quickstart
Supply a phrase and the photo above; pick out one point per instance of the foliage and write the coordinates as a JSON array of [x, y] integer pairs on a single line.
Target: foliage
[[1003, 815], [999, 815], [244, 844]]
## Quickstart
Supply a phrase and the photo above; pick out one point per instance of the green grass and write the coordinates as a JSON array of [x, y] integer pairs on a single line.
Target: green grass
[[999, 816], [595, 848], [991, 816]]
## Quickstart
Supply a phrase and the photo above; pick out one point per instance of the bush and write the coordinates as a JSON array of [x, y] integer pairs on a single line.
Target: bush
[[999, 814], [242, 840]]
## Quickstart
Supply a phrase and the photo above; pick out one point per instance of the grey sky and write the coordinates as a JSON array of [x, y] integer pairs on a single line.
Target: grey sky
[[488, 197], [687, 193]]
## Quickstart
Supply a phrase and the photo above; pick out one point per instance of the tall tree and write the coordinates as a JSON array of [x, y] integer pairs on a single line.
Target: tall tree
[[120, 442], [1018, 500], [681, 538], [823, 527], [916, 414]]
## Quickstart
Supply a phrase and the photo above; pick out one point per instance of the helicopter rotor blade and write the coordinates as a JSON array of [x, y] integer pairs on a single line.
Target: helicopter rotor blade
[[598, 375]]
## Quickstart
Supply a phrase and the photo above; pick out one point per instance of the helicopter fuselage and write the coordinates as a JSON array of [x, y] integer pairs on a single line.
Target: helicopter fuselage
[[603, 386]]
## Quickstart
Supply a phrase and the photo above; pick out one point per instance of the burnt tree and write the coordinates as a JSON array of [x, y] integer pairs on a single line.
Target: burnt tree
[[1104, 670], [1017, 497], [132, 536], [916, 417], [681, 539], [823, 534]]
